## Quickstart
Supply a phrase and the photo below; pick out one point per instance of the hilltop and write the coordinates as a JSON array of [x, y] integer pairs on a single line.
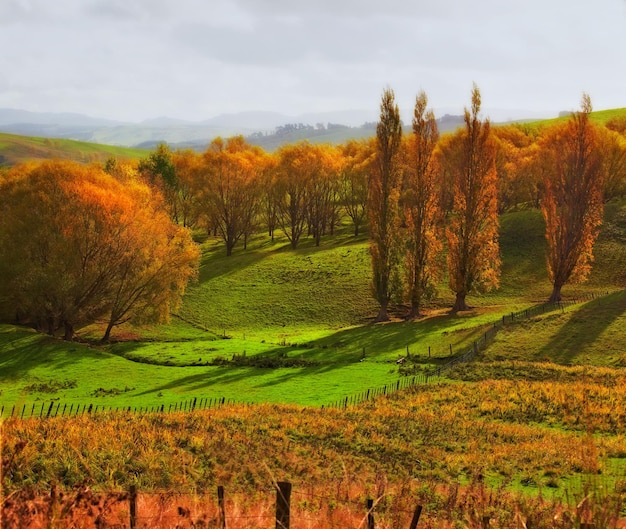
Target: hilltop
[[16, 149]]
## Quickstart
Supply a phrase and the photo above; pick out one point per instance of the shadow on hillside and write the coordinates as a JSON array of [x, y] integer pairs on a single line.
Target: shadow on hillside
[[583, 328], [23, 351], [215, 263], [382, 343]]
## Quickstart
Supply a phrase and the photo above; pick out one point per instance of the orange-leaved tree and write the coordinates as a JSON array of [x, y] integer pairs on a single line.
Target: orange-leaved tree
[[572, 201], [355, 170], [420, 201], [472, 230], [232, 170], [68, 235], [382, 206], [297, 165]]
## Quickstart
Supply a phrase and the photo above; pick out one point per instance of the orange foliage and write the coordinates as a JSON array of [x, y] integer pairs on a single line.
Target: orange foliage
[[420, 202], [230, 184], [384, 189], [572, 202], [472, 231], [72, 238]]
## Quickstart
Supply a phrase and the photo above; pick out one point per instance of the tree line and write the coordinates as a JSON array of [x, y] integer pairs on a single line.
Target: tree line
[[113, 243]]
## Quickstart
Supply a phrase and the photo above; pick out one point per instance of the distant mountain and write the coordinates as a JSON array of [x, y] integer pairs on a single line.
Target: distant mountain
[[9, 116], [268, 129]]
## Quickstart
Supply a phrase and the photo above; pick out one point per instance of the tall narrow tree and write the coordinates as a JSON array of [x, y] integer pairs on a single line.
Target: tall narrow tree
[[572, 202], [420, 202], [472, 231], [383, 202]]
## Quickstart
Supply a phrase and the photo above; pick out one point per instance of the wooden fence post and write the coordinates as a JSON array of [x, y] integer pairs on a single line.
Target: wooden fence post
[[370, 514], [132, 498], [283, 495], [220, 503], [416, 517]]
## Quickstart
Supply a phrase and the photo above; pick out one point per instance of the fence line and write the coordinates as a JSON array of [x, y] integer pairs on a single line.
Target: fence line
[[478, 345], [54, 408]]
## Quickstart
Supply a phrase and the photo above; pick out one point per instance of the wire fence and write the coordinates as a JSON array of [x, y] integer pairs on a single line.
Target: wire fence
[[56, 408]]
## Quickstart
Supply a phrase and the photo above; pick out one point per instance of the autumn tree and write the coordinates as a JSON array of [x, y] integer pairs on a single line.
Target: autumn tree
[[517, 179], [472, 230], [232, 171], [612, 146], [187, 168], [159, 171], [383, 203], [354, 176], [295, 168], [323, 190], [270, 195], [420, 201], [572, 202], [66, 232]]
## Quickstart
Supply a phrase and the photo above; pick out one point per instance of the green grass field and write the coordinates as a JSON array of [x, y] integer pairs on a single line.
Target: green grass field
[[270, 324]]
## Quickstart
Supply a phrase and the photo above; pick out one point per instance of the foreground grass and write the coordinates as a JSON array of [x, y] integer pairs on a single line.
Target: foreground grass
[[548, 435]]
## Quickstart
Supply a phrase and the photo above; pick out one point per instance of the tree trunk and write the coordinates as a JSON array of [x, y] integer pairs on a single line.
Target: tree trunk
[[383, 315], [107, 333], [69, 331], [460, 304], [356, 230], [415, 311], [555, 297]]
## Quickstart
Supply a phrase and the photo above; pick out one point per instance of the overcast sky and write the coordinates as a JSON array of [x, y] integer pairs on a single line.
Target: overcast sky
[[193, 59]]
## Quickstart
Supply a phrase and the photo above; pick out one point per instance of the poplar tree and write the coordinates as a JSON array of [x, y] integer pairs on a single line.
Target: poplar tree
[[421, 207], [472, 231], [383, 202], [572, 202]]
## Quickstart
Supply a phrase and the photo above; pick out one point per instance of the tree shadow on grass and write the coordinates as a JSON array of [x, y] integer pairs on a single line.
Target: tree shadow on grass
[[583, 328], [22, 350], [382, 342]]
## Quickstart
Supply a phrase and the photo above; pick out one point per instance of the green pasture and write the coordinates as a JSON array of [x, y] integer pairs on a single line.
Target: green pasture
[[270, 324]]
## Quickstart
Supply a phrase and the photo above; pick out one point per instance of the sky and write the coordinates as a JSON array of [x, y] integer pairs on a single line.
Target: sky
[[132, 60]]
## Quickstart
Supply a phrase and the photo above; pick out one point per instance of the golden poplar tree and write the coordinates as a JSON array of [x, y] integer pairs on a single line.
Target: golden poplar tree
[[420, 202], [383, 202], [572, 201], [472, 230]]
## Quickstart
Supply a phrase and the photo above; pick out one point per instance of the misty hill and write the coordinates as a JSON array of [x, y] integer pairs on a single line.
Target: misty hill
[[267, 129]]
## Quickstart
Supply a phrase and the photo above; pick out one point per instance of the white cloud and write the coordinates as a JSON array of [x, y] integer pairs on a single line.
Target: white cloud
[[134, 59]]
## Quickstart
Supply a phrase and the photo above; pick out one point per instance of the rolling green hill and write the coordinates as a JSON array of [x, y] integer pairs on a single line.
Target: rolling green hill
[[16, 149], [277, 325]]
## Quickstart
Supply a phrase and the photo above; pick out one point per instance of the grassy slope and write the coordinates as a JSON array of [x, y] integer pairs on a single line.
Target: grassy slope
[[16, 149], [311, 304]]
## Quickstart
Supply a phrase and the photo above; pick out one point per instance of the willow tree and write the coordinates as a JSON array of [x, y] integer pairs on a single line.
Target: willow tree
[[420, 200], [77, 246], [572, 201], [383, 202], [472, 231]]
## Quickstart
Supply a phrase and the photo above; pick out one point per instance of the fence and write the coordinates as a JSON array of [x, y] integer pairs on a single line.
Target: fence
[[137, 510], [54, 408], [478, 345]]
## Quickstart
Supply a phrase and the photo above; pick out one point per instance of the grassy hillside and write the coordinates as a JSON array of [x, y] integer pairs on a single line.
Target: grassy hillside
[[276, 325], [16, 149]]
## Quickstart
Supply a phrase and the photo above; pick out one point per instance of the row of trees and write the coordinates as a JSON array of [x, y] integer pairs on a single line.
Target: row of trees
[[416, 191], [84, 243], [427, 186]]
